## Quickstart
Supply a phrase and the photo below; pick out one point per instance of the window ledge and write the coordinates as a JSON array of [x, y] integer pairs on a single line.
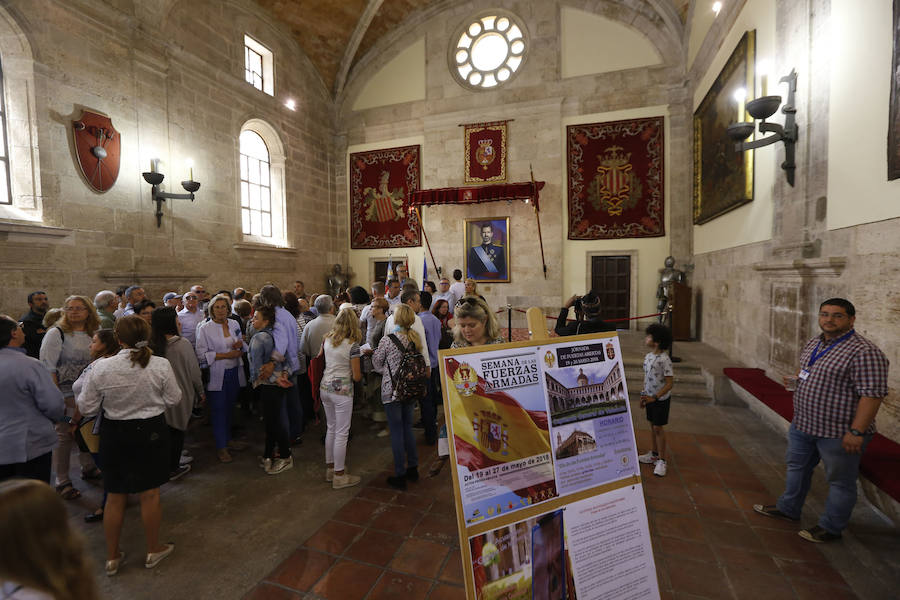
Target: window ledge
[[264, 248], [29, 229]]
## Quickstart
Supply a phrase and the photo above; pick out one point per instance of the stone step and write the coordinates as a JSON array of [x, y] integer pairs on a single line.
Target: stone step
[[679, 377]]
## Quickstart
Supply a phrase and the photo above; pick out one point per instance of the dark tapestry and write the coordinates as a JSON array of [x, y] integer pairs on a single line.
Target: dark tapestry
[[380, 182], [485, 148], [616, 176]]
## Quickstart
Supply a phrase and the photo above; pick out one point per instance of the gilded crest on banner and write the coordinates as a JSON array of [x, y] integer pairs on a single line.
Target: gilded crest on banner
[[549, 359], [465, 379], [492, 432], [610, 351], [485, 154], [615, 188]]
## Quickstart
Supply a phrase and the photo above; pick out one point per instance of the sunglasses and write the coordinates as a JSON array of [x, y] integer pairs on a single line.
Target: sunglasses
[[470, 300]]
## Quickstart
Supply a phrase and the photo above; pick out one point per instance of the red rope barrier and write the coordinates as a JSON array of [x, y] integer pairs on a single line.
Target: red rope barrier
[[497, 312]]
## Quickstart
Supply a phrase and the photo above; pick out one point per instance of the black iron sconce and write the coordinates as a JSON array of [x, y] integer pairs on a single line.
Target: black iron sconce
[[763, 108], [155, 178]]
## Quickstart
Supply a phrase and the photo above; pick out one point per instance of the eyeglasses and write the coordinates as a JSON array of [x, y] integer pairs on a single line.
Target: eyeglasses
[[190, 297], [76, 309]]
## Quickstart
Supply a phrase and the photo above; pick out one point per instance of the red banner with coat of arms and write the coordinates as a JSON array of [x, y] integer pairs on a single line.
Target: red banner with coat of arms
[[380, 182], [485, 147], [615, 173]]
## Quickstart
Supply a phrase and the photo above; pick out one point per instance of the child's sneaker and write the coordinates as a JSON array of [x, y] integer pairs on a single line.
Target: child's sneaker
[[660, 469], [280, 465], [649, 458]]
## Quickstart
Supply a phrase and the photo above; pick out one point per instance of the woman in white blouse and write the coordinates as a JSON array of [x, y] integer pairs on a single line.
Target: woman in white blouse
[[220, 344], [133, 388]]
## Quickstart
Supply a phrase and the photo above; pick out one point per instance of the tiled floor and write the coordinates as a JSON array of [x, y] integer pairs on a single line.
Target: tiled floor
[[707, 540]]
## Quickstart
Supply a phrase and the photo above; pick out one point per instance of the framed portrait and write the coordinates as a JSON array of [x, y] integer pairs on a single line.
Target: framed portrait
[[487, 249], [723, 178]]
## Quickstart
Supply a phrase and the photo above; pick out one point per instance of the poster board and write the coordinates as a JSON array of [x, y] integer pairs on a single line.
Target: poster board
[[546, 480]]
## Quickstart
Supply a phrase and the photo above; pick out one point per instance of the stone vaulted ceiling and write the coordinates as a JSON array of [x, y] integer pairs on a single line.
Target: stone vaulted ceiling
[[335, 34]]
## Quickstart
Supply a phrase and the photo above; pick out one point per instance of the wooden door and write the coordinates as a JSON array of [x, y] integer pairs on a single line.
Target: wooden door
[[611, 281]]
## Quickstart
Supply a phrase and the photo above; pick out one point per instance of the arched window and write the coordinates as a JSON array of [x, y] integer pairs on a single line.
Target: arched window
[[20, 191], [262, 185]]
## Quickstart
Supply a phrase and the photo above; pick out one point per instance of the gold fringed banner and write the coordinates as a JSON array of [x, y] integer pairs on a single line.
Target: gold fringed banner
[[485, 152]]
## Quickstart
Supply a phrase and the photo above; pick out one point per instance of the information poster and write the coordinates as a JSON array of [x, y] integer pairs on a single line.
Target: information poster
[[546, 478]]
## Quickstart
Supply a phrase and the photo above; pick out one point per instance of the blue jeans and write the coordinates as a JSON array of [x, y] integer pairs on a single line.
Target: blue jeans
[[841, 470], [221, 407], [400, 420]]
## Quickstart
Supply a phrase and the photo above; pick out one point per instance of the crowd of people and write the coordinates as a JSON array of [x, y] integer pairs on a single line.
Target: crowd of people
[[117, 379]]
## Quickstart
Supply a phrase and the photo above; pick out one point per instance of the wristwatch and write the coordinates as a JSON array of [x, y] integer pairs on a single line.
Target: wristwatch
[[66, 419], [856, 432]]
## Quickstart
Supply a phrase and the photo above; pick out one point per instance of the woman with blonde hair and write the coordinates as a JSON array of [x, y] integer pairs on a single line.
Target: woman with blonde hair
[[474, 323], [134, 389], [66, 351], [342, 368], [386, 360], [219, 344], [41, 557], [472, 288]]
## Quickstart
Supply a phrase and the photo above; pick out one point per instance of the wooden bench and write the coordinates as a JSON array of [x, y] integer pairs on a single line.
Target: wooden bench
[[880, 464]]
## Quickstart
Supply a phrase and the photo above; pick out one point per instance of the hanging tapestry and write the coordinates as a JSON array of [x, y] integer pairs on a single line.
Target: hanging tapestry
[[485, 152], [380, 182], [615, 173]]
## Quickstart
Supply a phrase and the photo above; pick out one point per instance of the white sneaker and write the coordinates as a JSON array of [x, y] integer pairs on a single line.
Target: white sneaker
[[280, 465], [345, 480], [649, 458], [660, 469], [185, 460], [329, 474]]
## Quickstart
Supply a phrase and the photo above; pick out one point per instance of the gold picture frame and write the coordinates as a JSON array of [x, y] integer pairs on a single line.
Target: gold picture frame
[[723, 178], [489, 262]]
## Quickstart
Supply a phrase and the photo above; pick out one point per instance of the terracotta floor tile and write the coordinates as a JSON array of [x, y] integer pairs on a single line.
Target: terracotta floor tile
[[396, 519], [375, 547], [789, 545], [732, 534], [762, 521], [670, 546], [421, 557], [683, 527], [747, 482], [357, 511], [377, 494], [419, 502], [726, 465], [447, 592], [301, 569], [700, 477], [810, 590], [265, 591], [698, 578], [660, 487], [680, 506], [347, 581], [453, 571], [745, 499], [719, 451], [704, 495], [819, 572], [714, 513], [675, 438], [394, 585], [437, 528], [745, 559], [444, 507], [752, 585], [333, 537]]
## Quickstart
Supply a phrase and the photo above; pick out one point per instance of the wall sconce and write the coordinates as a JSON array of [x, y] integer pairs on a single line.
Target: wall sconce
[[155, 178], [763, 108]]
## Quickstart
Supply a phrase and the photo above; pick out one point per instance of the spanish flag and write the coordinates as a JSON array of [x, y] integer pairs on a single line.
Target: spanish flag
[[491, 427]]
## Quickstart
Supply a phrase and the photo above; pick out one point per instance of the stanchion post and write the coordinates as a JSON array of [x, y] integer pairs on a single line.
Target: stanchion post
[[672, 357], [509, 320]]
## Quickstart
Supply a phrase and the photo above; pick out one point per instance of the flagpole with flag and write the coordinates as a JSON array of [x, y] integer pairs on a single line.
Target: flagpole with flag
[[390, 271], [424, 271]]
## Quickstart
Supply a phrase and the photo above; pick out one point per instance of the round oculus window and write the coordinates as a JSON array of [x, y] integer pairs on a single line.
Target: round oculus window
[[488, 50]]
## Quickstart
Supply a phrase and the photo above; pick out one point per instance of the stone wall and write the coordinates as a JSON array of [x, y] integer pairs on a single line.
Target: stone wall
[[537, 102], [170, 76], [758, 303]]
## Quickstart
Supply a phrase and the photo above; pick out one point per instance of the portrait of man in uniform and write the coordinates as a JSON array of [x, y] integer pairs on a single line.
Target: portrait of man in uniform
[[487, 257]]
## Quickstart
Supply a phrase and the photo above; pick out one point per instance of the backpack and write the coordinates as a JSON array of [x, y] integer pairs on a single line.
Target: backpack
[[411, 381]]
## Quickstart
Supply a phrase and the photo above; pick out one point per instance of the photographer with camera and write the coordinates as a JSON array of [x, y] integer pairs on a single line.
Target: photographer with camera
[[587, 315]]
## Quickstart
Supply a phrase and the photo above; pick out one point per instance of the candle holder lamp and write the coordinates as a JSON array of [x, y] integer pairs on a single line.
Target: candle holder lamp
[[763, 108], [155, 179]]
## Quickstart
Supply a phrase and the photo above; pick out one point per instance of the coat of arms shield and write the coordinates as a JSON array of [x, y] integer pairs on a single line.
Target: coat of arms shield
[[97, 148]]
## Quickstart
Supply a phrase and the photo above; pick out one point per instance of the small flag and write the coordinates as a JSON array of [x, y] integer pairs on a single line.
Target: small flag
[[390, 272], [424, 271]]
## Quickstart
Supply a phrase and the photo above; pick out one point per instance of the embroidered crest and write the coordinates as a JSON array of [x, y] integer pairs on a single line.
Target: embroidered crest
[[484, 154]]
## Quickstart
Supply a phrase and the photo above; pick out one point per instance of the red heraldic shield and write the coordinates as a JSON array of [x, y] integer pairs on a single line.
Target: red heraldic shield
[[98, 147]]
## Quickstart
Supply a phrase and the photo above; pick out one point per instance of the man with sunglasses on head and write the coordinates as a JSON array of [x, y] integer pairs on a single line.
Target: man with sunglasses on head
[[190, 317], [842, 381]]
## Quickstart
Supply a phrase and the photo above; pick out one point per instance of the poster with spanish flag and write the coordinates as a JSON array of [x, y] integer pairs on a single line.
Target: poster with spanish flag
[[546, 479]]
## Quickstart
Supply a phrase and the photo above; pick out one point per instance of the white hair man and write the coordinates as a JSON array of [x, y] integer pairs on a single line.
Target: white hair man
[[105, 302]]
